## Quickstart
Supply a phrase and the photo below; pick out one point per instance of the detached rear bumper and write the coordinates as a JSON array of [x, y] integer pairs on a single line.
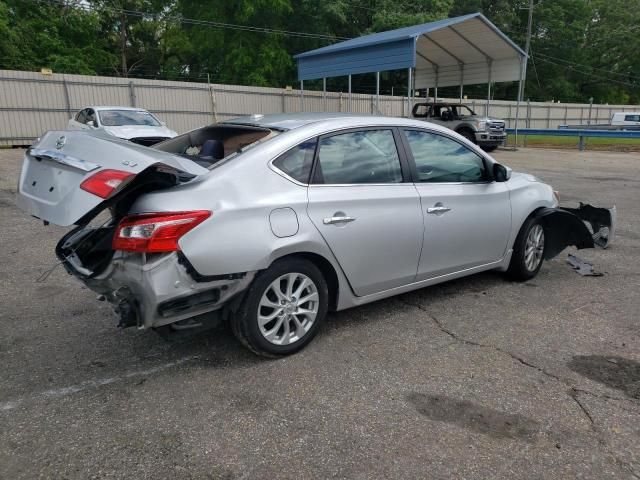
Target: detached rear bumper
[[583, 227]]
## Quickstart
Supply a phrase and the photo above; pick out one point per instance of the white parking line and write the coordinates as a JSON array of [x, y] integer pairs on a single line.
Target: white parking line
[[91, 384]]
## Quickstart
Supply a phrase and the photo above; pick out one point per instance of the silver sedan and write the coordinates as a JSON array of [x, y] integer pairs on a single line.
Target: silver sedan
[[269, 222]]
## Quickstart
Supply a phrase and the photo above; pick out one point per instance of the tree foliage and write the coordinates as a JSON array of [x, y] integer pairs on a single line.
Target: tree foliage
[[580, 48]]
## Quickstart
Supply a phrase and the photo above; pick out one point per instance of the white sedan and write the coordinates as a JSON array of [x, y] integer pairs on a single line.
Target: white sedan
[[133, 124]]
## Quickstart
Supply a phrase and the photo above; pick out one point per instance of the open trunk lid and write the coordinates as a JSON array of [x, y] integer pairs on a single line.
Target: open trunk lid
[[54, 168]]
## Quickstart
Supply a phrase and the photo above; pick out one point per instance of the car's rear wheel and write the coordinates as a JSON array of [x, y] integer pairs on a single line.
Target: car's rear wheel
[[528, 251], [283, 308]]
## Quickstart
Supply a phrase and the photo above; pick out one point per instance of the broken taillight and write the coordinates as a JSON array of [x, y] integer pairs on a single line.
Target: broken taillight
[[156, 232], [105, 182]]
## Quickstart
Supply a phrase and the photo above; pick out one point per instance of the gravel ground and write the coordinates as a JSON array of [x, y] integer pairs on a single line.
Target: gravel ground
[[476, 378]]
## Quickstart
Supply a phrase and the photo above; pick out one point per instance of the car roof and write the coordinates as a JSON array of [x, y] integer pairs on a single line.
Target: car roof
[[99, 108], [326, 122], [290, 121]]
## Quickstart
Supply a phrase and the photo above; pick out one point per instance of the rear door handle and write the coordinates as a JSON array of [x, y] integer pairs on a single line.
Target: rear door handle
[[334, 220], [438, 210]]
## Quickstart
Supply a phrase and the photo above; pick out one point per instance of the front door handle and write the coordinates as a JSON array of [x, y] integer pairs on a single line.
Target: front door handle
[[438, 209], [334, 220]]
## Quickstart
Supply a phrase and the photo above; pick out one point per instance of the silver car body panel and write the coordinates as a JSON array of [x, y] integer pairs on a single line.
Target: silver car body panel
[[474, 231], [260, 214], [371, 252]]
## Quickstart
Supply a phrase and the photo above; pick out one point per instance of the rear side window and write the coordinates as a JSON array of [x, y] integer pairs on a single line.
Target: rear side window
[[297, 162], [440, 159], [368, 156]]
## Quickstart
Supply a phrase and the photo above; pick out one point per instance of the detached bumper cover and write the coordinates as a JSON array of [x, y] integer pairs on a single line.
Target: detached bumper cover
[[583, 227]]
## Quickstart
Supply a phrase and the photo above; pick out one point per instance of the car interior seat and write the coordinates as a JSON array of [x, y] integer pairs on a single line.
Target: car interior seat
[[212, 149]]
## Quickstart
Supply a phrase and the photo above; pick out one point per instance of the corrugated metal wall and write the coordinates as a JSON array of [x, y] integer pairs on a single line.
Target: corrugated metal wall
[[31, 103]]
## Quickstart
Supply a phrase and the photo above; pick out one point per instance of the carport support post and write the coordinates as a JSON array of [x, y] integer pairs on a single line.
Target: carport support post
[[378, 92], [435, 90], [409, 94], [461, 80], [324, 94], [522, 67], [302, 95], [350, 105], [489, 62]]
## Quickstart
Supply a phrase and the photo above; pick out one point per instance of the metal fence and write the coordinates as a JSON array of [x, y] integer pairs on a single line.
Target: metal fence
[[31, 103]]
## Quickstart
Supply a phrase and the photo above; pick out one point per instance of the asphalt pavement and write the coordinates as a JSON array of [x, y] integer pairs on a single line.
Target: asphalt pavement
[[477, 378]]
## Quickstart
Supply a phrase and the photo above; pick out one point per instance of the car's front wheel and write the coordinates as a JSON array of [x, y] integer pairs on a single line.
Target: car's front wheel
[[283, 308], [528, 251]]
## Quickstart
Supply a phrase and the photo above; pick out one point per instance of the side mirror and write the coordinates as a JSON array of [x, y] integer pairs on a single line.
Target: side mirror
[[91, 123], [164, 124], [501, 173]]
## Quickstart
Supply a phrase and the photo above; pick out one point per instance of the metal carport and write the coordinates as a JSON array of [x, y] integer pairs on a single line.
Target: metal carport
[[464, 50]]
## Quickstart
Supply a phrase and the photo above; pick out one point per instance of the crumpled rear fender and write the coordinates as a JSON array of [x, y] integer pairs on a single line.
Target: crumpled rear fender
[[582, 227]]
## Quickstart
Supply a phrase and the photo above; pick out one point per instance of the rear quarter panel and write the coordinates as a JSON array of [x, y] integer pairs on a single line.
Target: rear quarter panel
[[242, 194]]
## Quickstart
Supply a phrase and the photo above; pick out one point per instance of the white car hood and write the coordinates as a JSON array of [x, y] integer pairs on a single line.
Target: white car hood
[[132, 131]]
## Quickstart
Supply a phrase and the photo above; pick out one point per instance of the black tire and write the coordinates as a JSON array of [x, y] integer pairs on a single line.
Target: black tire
[[468, 134], [489, 148], [518, 268], [244, 323]]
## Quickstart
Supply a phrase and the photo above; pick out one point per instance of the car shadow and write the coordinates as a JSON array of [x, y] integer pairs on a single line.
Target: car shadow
[[615, 372], [476, 284]]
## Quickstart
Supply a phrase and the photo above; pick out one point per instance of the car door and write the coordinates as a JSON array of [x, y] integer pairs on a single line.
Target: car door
[[467, 214], [368, 211]]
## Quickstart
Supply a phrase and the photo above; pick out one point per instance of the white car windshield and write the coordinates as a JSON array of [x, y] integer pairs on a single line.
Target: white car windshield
[[117, 118]]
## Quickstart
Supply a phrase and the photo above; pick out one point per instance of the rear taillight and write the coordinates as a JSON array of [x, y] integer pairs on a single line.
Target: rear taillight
[[156, 232], [106, 182]]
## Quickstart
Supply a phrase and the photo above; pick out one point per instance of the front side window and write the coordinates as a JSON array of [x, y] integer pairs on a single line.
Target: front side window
[[632, 118], [297, 162], [440, 159], [368, 156]]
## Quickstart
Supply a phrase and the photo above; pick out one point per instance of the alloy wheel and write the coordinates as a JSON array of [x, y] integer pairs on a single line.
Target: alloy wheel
[[288, 308], [534, 248]]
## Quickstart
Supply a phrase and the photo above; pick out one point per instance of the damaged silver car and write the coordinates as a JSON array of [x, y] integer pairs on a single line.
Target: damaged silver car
[[269, 222]]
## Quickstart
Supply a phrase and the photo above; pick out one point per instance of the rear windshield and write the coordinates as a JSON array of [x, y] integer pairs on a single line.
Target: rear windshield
[[118, 118], [215, 144]]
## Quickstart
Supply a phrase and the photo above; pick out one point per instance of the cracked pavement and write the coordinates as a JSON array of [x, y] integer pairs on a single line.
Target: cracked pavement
[[475, 378]]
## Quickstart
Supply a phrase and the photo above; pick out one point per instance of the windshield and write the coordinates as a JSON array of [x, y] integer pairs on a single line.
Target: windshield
[[117, 118]]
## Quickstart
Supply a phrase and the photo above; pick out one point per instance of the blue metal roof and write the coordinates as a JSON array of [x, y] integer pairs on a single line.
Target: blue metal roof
[[391, 50]]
